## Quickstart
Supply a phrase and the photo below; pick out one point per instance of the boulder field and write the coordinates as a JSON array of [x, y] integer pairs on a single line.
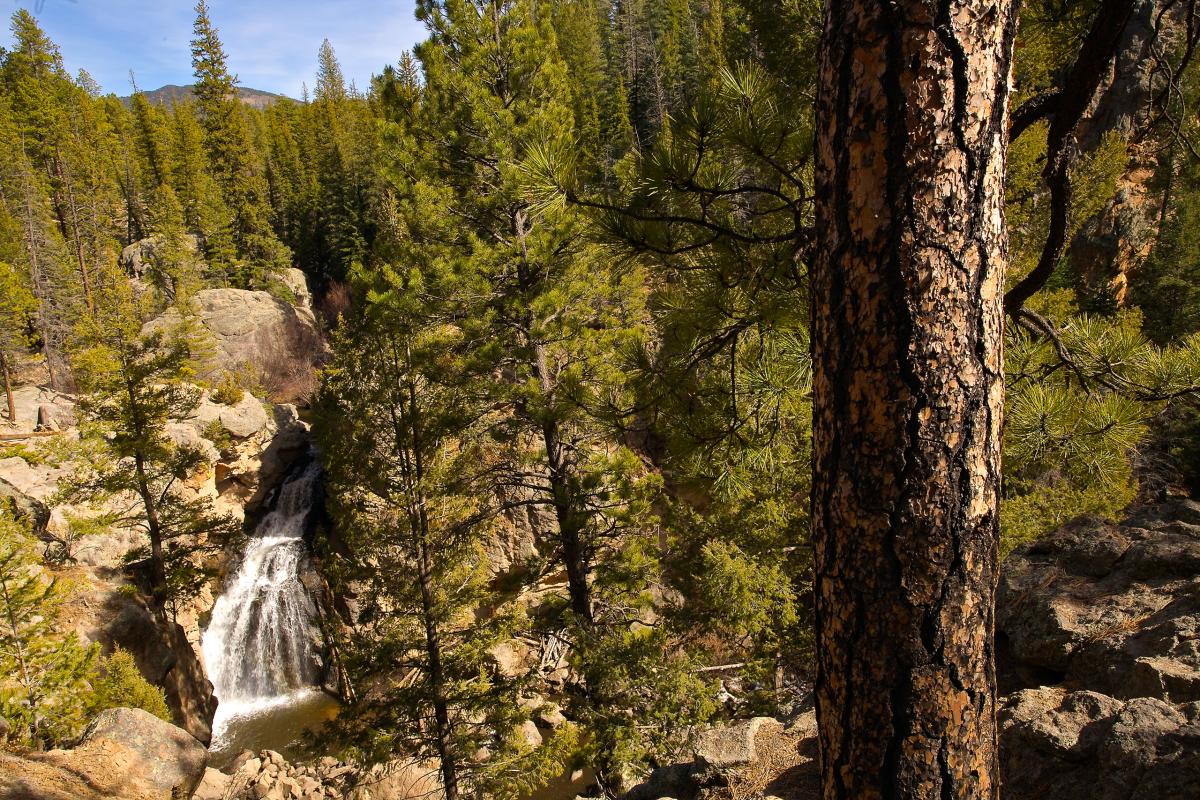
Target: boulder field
[[1098, 632]]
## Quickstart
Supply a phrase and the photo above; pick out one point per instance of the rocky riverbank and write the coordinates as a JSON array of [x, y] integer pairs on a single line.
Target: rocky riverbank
[[1101, 629]]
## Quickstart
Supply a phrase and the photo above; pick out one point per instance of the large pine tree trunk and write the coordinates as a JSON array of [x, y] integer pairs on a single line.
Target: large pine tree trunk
[[907, 325]]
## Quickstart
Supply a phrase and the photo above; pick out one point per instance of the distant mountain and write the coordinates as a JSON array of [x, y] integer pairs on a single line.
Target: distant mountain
[[166, 95]]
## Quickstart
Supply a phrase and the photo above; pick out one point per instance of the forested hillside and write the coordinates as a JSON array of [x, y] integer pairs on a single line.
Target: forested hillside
[[171, 94], [563, 334]]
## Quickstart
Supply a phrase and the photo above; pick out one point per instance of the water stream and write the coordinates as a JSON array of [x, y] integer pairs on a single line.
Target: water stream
[[259, 646]]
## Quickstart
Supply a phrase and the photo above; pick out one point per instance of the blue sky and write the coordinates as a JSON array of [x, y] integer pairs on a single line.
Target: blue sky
[[271, 44]]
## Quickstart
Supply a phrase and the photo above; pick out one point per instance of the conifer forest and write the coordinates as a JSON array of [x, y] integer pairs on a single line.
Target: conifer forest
[[644, 399]]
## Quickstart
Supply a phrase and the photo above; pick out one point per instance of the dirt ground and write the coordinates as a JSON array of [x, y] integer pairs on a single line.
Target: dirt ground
[[786, 767]]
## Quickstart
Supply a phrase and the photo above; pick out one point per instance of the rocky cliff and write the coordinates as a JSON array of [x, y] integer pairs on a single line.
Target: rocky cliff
[[259, 336], [249, 446]]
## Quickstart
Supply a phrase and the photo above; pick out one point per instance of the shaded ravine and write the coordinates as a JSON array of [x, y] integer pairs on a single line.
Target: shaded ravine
[[259, 646]]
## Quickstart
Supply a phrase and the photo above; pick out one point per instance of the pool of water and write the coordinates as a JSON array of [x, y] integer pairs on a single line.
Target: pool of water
[[277, 724]]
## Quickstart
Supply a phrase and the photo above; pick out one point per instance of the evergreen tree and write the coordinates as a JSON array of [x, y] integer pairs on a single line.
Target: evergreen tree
[[118, 684], [398, 405], [36, 248], [341, 161], [17, 309], [135, 384], [63, 131], [152, 138], [1082, 392], [294, 187], [600, 116], [718, 211], [231, 157], [127, 167], [45, 691], [907, 411], [174, 266], [205, 213], [40, 92], [559, 320], [331, 83]]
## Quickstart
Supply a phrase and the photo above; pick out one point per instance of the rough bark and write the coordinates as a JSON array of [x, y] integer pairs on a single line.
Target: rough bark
[[1111, 246], [908, 393]]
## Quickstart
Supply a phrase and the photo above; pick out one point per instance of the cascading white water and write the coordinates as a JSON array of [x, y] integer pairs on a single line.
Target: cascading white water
[[258, 647]]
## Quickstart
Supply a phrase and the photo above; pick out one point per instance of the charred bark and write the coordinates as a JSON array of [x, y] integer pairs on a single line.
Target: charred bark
[[908, 393]]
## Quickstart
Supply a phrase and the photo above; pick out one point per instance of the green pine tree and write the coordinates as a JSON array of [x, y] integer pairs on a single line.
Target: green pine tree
[[205, 213], [18, 308], [127, 166], [398, 406], [175, 268], [560, 320], [342, 142], [231, 157], [118, 683], [152, 138], [46, 687], [135, 383], [35, 246]]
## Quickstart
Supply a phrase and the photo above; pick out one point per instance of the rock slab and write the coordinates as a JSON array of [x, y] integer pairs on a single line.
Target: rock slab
[[126, 753]]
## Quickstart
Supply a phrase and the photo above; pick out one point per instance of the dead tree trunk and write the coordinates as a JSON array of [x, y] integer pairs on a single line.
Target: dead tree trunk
[[908, 396], [8, 392]]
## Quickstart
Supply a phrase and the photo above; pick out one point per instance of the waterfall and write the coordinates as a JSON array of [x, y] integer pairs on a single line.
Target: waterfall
[[258, 647]]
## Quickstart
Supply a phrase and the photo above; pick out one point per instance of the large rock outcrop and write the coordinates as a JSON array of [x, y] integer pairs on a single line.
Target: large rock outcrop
[[277, 342], [1110, 615], [143, 255], [1115, 608], [246, 474], [1082, 745], [126, 754]]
